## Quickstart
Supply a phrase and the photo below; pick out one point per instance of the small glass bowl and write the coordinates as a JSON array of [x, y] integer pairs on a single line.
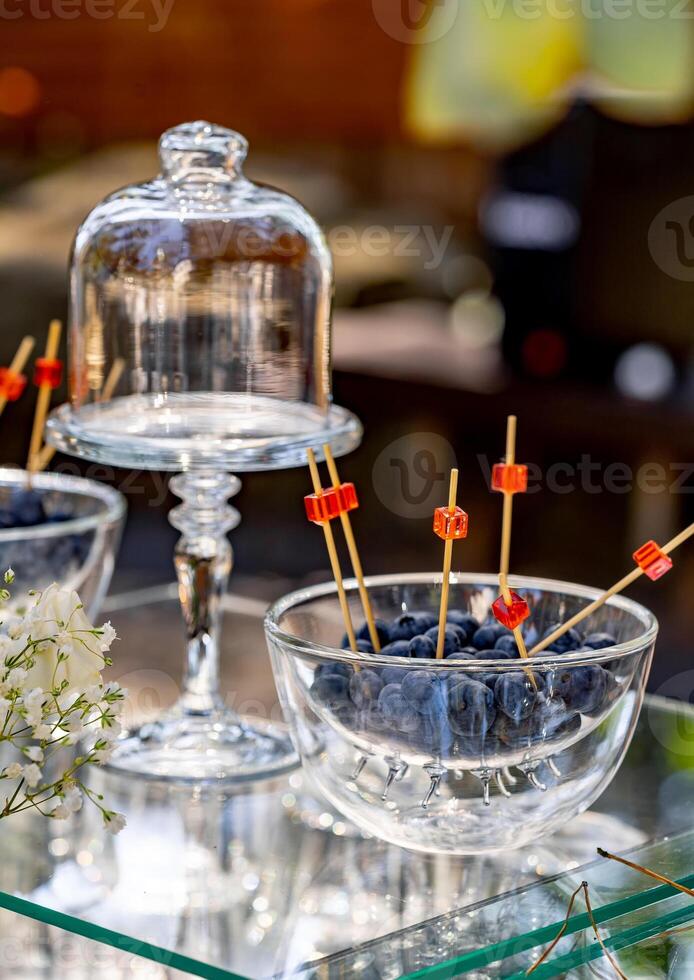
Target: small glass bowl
[[76, 547], [441, 781]]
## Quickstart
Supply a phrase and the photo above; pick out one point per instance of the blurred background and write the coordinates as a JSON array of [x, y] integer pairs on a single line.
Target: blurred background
[[507, 189]]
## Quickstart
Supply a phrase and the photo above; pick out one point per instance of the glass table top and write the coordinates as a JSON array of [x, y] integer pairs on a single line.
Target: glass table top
[[268, 882]]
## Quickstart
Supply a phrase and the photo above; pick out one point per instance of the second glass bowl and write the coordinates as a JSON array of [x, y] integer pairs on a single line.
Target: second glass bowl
[[437, 765]]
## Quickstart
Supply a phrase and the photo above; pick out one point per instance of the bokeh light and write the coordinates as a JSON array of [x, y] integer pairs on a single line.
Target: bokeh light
[[20, 92]]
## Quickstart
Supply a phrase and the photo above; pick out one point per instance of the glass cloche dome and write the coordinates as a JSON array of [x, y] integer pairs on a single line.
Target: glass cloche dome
[[200, 342], [200, 320]]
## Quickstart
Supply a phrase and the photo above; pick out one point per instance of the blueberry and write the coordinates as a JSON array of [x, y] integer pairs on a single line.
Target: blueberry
[[515, 695], [25, 509], [393, 675], [422, 648], [401, 648], [470, 707], [598, 641], [405, 627], [582, 688], [382, 631], [486, 636], [452, 638], [553, 718], [331, 689], [425, 621], [365, 646], [467, 653], [343, 670], [508, 643], [571, 640], [420, 688], [365, 687], [396, 710], [464, 621], [494, 654]]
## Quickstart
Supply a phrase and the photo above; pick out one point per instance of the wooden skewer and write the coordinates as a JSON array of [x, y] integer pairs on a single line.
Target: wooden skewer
[[447, 559], [354, 555], [114, 376], [508, 497], [44, 398], [508, 599], [19, 363], [633, 575], [334, 559]]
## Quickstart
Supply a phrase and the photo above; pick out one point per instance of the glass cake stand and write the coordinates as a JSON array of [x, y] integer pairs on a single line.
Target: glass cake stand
[[226, 883], [201, 737]]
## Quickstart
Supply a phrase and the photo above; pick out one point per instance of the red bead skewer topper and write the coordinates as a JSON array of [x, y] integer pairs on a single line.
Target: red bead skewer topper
[[652, 560], [48, 371], [324, 506], [512, 614], [12, 384], [450, 524], [348, 497], [510, 477]]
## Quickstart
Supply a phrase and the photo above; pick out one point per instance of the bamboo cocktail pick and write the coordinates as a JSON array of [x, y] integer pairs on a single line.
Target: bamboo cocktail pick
[[451, 524], [48, 377], [651, 560], [352, 544], [507, 596], [110, 385], [16, 367], [322, 514]]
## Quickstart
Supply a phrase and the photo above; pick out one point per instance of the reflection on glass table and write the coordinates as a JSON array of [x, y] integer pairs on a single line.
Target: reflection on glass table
[[266, 880]]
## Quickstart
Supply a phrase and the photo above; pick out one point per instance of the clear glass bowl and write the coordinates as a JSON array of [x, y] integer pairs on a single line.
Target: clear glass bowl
[[446, 781], [75, 547]]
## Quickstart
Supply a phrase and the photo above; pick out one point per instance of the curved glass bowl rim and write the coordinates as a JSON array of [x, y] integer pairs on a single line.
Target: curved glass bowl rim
[[112, 512], [317, 651]]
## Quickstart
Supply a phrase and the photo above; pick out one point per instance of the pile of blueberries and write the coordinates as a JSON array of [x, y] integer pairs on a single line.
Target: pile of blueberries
[[24, 508], [458, 712]]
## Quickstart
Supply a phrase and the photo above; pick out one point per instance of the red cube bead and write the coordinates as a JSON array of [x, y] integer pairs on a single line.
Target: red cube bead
[[323, 506], [654, 562], [348, 496], [513, 615], [48, 371], [451, 525], [509, 478], [12, 384]]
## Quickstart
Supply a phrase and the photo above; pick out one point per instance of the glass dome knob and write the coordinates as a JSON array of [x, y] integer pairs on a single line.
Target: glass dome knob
[[201, 151]]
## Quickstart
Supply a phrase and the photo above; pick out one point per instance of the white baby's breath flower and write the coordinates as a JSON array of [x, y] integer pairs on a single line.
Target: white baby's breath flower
[[33, 706], [114, 822], [5, 706], [74, 724], [59, 611], [112, 732], [103, 754], [35, 753], [93, 693], [17, 679], [13, 771], [73, 799], [42, 732], [32, 774], [108, 635]]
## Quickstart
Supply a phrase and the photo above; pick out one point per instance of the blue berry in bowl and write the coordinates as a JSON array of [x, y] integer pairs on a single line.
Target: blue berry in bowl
[[515, 695], [331, 690], [570, 641], [464, 621], [420, 688], [23, 509], [486, 636], [401, 648], [582, 688], [343, 670], [422, 648], [396, 710], [507, 642], [405, 627], [365, 687], [425, 621], [494, 654], [393, 675], [467, 653], [471, 708], [598, 641], [452, 639]]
